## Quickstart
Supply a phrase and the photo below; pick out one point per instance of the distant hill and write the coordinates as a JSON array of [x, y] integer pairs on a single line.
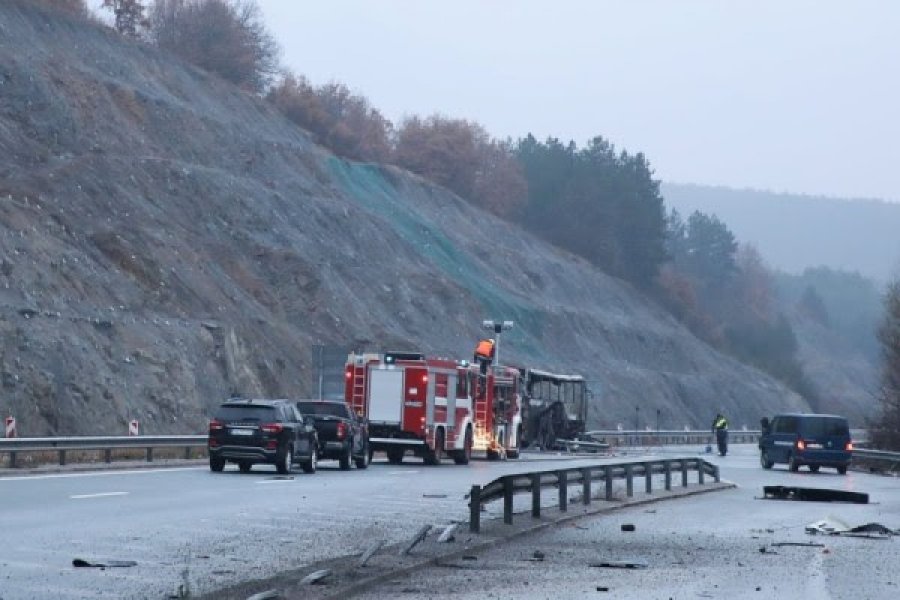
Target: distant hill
[[793, 232]]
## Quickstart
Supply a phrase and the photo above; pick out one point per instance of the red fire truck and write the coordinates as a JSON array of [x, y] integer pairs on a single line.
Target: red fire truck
[[434, 407]]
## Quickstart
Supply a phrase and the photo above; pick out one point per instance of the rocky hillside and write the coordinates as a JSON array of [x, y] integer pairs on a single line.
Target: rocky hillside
[[167, 240]]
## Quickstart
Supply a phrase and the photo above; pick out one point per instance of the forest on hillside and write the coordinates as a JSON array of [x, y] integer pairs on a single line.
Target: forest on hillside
[[594, 200]]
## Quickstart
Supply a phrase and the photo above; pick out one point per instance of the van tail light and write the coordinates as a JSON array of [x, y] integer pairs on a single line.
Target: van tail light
[[849, 446], [216, 425], [271, 428], [801, 445], [341, 430]]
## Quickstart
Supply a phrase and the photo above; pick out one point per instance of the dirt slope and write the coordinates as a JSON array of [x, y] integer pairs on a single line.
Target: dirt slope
[[167, 240]]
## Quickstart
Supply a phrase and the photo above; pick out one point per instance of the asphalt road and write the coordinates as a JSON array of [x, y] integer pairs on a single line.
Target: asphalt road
[[706, 546], [190, 530]]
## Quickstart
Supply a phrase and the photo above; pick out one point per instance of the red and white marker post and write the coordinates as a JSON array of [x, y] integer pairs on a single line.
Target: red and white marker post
[[10, 427], [134, 427]]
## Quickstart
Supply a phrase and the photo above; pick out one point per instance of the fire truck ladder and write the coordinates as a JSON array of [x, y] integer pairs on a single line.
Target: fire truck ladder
[[481, 414], [358, 395]]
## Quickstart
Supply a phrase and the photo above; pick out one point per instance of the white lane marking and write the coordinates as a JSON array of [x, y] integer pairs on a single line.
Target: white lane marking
[[97, 474], [99, 495]]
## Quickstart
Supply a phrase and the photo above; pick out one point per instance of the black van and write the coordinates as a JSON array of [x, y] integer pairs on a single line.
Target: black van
[[806, 439]]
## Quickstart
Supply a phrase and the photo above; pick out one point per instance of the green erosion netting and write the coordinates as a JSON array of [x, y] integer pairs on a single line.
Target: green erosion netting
[[367, 185]]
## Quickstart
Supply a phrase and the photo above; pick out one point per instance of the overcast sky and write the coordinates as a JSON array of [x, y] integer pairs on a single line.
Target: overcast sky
[[794, 96]]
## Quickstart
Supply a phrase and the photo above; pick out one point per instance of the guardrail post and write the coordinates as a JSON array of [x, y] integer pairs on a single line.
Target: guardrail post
[[716, 473], [149, 454], [648, 477], [586, 485], [507, 501], [62, 457], [475, 509], [12, 460], [667, 466], [187, 452], [536, 495], [684, 473], [563, 478], [107, 455], [700, 465], [607, 476], [629, 481]]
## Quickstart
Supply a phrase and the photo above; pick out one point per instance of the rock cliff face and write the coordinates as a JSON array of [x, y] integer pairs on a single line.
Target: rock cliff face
[[167, 241]]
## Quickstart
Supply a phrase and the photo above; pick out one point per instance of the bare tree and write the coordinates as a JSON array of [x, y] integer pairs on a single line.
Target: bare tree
[[886, 432], [226, 37], [129, 15]]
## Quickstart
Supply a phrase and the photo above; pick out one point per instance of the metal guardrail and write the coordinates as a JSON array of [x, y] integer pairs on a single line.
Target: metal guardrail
[[14, 446], [639, 437], [508, 486], [876, 460]]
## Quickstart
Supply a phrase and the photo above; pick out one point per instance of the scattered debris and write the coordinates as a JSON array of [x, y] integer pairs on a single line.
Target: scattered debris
[[602, 588], [267, 595], [447, 535], [627, 527], [280, 478], [766, 550], [619, 564], [650, 510], [315, 577], [434, 495], [370, 552], [420, 535], [807, 544], [783, 492], [833, 526], [537, 556], [102, 564], [469, 557]]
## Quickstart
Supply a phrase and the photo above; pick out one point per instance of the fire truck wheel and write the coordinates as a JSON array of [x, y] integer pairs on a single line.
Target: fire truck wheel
[[514, 452], [434, 457], [395, 455], [463, 456]]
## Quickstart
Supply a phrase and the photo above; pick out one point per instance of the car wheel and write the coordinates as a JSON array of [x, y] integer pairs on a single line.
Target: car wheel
[[312, 464], [284, 460], [814, 468], [842, 470], [793, 464], [465, 455], [395, 455], [245, 466], [346, 457], [216, 464], [362, 461], [764, 460]]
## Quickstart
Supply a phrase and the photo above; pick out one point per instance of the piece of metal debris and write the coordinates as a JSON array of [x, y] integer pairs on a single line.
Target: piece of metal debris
[[420, 535], [833, 526], [469, 557], [267, 595], [807, 544], [447, 535], [434, 495], [619, 564], [628, 527], [766, 550], [783, 492], [315, 577], [102, 564]]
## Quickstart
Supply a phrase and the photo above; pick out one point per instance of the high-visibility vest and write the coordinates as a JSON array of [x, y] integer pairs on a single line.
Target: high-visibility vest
[[485, 349]]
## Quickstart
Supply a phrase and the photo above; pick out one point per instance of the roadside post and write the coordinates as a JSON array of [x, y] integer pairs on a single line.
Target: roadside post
[[10, 428]]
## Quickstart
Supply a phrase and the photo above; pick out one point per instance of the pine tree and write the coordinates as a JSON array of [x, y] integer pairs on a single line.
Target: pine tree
[[886, 433]]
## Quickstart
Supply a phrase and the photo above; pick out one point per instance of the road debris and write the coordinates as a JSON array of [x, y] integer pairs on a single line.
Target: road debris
[[447, 535], [783, 492], [315, 577], [619, 564], [434, 495], [420, 535], [469, 557], [267, 595], [806, 544], [628, 527], [537, 556], [766, 550], [834, 526], [103, 564]]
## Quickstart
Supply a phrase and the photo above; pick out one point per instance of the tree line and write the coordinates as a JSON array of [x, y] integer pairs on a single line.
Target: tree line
[[594, 201]]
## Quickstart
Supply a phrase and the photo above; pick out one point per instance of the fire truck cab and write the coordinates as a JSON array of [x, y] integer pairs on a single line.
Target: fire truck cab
[[424, 405]]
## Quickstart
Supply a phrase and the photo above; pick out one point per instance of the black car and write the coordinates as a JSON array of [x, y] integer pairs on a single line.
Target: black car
[[247, 432], [343, 435]]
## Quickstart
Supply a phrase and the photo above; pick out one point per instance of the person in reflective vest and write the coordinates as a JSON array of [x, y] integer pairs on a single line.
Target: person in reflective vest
[[720, 428]]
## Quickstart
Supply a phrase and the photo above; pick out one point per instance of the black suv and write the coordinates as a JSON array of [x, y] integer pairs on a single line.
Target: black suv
[[261, 431]]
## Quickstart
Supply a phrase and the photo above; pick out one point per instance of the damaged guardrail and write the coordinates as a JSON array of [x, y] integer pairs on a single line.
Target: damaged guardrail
[[107, 444], [508, 486], [638, 437]]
